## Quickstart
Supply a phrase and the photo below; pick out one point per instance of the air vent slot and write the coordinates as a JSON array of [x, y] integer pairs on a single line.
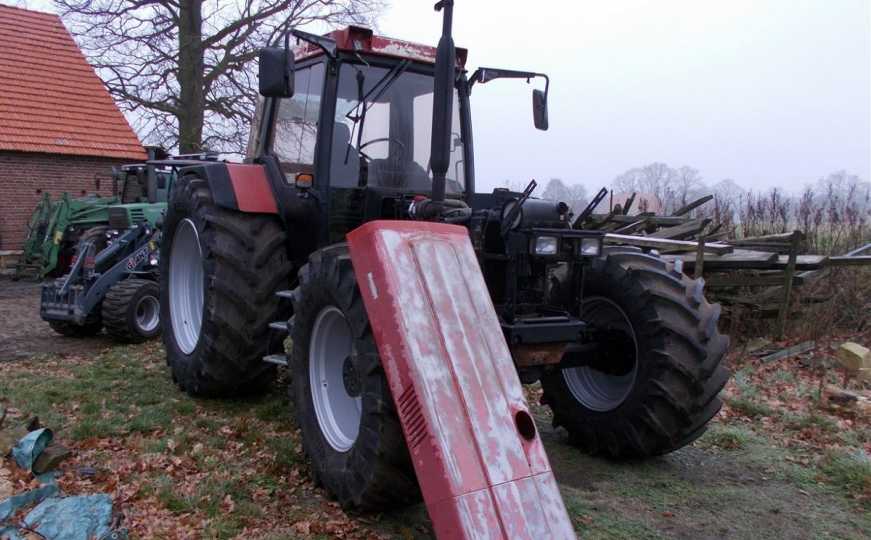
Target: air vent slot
[[138, 215], [412, 418]]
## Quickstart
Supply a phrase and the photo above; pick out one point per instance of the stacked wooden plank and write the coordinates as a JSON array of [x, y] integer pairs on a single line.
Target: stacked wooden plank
[[759, 273]]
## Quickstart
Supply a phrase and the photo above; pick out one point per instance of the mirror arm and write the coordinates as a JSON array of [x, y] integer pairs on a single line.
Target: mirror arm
[[481, 72], [324, 43]]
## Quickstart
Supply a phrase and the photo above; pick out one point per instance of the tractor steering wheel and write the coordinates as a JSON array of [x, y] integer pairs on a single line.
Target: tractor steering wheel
[[379, 139]]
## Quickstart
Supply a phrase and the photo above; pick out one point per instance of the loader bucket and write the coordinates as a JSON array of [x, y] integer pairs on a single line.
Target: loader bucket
[[479, 461]]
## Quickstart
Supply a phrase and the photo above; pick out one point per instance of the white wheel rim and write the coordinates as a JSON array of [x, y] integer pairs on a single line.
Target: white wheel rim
[[186, 286], [338, 412], [595, 389], [147, 314]]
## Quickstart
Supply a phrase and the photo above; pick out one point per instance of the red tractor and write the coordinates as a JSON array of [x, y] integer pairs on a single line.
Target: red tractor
[[415, 304]]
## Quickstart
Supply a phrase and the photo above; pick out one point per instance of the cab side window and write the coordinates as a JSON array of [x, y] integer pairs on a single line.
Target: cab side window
[[296, 122]]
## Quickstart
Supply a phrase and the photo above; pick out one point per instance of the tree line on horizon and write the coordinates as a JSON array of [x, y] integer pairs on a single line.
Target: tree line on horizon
[[834, 212]]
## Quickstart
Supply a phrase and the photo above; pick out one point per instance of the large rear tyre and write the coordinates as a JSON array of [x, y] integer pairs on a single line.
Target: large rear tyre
[[219, 272], [654, 385], [131, 310], [350, 430]]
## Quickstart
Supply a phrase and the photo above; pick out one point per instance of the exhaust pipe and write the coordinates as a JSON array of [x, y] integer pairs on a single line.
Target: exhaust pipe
[[442, 106]]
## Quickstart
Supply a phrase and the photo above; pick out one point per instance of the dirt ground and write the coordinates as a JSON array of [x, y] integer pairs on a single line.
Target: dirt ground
[[23, 334], [183, 468]]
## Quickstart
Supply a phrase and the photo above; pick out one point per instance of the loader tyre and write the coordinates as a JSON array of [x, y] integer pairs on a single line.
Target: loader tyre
[[350, 430], [131, 310], [655, 385], [220, 270]]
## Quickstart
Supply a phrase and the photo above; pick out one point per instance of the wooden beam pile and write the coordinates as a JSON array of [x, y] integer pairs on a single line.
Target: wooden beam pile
[[768, 266]]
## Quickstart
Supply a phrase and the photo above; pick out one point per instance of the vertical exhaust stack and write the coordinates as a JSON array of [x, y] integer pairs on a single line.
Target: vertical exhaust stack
[[442, 106]]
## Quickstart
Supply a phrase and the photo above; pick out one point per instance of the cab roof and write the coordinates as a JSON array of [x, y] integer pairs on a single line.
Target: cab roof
[[361, 39]]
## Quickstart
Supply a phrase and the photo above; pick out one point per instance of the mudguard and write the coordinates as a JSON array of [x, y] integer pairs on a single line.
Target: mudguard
[[478, 458], [236, 186]]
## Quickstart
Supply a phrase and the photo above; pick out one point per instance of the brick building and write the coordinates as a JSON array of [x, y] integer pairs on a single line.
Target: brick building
[[60, 130]]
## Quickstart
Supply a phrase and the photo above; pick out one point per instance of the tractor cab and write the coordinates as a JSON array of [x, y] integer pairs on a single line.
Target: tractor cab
[[348, 118], [143, 190]]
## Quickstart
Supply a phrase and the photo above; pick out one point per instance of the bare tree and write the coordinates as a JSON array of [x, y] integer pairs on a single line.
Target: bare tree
[[184, 69], [688, 184], [656, 179], [574, 195]]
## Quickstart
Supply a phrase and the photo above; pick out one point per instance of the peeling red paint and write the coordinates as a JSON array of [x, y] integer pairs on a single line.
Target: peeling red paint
[[454, 383], [358, 38]]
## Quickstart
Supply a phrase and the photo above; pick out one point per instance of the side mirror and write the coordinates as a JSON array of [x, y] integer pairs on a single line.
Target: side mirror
[[276, 72], [539, 109]]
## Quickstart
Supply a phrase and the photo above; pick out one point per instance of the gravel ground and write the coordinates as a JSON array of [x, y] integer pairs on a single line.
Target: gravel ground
[[23, 334]]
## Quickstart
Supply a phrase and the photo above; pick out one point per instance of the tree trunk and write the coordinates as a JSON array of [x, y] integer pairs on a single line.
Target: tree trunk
[[190, 76]]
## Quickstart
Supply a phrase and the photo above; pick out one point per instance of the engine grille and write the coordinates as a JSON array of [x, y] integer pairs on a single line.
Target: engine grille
[[118, 218]]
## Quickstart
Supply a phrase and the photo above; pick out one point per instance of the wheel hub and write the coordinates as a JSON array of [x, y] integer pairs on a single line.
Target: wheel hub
[[350, 378], [607, 381], [147, 314]]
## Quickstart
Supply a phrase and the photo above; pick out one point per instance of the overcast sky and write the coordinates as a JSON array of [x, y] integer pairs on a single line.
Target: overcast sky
[[767, 92]]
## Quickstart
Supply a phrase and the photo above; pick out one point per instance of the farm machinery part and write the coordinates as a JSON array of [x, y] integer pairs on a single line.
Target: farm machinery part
[[355, 228], [112, 282], [55, 228], [114, 287]]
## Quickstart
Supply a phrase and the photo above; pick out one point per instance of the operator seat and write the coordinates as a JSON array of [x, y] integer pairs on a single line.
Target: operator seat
[[344, 174]]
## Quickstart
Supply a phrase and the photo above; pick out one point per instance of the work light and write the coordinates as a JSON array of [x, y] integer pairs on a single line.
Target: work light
[[546, 245], [591, 247]]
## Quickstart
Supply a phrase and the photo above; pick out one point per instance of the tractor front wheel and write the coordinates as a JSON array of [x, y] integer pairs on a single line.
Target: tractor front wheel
[[343, 404], [653, 382], [131, 310], [219, 271]]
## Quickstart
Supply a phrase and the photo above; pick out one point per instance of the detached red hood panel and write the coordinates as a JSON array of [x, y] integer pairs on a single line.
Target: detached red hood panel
[[479, 461]]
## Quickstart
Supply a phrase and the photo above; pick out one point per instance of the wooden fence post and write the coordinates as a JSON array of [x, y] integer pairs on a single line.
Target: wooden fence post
[[787, 287], [700, 255]]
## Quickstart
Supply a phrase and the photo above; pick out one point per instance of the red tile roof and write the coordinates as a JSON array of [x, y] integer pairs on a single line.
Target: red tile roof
[[51, 100]]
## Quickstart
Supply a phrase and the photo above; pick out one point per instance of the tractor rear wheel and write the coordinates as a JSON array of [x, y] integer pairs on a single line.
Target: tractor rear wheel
[[653, 384], [131, 310], [219, 272], [350, 429]]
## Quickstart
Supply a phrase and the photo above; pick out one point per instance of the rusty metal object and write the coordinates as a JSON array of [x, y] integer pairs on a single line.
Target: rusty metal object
[[538, 354]]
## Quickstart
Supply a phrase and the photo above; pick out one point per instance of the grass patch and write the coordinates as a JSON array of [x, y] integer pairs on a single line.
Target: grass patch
[[850, 471], [727, 437], [748, 407], [800, 422], [601, 522]]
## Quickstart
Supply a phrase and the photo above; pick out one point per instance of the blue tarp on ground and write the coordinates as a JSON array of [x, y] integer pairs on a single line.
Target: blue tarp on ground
[[72, 518], [58, 518], [30, 446]]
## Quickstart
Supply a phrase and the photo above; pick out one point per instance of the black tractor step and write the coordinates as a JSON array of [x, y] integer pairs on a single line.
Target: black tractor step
[[277, 359], [286, 294], [280, 326]]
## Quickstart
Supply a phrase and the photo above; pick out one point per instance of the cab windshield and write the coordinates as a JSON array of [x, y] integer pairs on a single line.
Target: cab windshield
[[383, 139]]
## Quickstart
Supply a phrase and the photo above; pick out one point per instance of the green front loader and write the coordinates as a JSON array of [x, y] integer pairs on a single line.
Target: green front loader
[[56, 228]]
